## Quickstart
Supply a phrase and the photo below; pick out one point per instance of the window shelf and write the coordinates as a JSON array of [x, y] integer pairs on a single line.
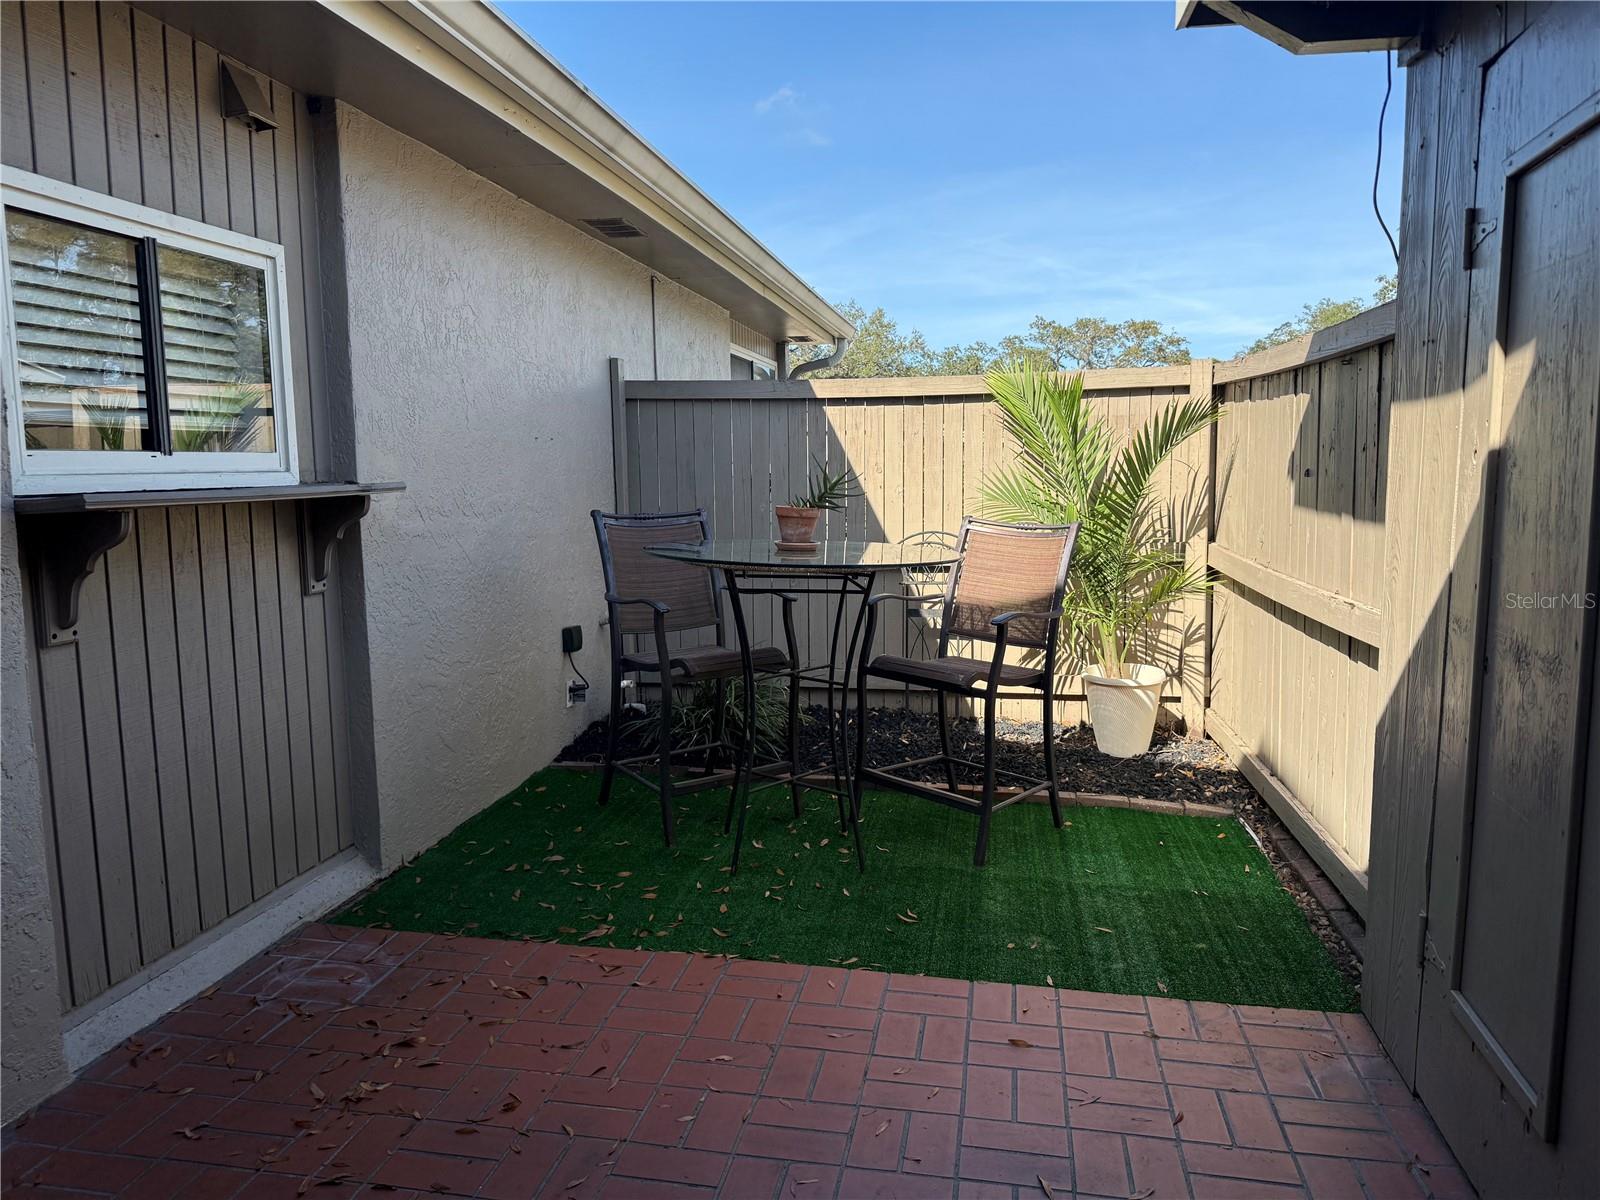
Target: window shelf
[[67, 534]]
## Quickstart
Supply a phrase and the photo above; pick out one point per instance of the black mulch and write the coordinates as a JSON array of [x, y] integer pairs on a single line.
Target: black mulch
[[1175, 768]]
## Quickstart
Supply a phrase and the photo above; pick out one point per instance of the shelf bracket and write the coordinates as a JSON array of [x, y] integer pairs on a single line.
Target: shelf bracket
[[64, 550], [325, 521]]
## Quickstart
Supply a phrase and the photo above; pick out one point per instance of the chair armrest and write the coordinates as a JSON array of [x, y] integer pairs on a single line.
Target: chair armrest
[[660, 608], [786, 597], [903, 597], [1006, 618]]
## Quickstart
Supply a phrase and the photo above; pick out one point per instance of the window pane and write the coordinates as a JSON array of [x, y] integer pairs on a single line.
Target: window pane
[[219, 363], [80, 354]]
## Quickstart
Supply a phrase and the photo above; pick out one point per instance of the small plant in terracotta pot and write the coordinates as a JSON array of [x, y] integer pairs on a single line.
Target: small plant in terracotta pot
[[827, 491]]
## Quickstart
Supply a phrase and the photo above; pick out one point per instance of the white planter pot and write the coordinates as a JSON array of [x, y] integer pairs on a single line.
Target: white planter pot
[[1123, 711]]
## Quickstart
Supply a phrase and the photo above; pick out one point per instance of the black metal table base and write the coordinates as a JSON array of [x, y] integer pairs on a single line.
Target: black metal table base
[[834, 674]]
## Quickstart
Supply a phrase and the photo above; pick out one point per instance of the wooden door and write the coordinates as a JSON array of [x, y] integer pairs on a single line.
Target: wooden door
[[1517, 713]]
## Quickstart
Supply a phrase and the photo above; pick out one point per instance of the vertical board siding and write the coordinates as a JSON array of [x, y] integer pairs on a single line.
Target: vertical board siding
[[752, 340], [920, 459], [195, 752], [1299, 492]]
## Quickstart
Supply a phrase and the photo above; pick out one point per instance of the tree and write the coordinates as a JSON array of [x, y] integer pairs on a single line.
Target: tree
[[880, 349], [1323, 313], [1093, 343]]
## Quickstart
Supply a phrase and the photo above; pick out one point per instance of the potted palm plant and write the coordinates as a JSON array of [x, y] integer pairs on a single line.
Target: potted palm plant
[[826, 491], [1127, 568]]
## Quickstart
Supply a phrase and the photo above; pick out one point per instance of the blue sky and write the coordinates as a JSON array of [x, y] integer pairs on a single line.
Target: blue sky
[[967, 166]]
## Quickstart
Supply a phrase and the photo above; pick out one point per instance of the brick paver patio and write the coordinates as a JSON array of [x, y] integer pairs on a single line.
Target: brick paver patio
[[358, 1062]]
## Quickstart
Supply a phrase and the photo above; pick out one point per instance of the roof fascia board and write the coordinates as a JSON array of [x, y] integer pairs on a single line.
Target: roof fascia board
[[475, 51]]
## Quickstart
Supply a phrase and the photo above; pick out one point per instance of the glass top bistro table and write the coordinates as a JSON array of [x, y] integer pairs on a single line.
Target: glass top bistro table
[[841, 569]]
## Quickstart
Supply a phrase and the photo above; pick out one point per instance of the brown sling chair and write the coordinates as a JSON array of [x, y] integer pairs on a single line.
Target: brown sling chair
[[1007, 588], [651, 597]]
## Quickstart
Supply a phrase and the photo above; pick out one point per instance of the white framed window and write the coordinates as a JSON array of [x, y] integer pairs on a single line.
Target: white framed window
[[142, 350], [747, 364]]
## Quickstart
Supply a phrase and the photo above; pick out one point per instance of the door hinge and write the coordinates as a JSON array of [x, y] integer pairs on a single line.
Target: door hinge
[[1422, 937], [1475, 230]]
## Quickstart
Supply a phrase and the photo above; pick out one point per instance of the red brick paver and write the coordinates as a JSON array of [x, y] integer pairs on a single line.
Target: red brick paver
[[352, 1062]]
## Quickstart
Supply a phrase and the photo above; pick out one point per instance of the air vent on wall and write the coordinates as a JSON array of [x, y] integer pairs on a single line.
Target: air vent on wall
[[613, 227]]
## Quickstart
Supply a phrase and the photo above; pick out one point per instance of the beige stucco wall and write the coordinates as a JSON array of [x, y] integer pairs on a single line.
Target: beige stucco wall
[[479, 333], [30, 998]]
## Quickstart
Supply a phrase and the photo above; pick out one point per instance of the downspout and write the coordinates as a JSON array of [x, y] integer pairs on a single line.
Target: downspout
[[822, 364]]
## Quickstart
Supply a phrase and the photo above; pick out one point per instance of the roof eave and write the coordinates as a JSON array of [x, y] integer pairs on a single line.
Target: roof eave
[[594, 139], [1312, 26]]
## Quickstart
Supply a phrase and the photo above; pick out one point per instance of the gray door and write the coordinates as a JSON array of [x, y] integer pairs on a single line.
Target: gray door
[[1499, 989]]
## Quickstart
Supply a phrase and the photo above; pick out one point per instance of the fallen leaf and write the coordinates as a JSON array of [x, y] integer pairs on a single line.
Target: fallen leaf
[[1046, 1187], [1023, 1042]]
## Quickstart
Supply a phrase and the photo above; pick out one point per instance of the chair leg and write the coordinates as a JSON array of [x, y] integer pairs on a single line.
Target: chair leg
[[855, 784], [665, 746], [719, 728], [944, 739], [981, 856], [746, 764], [1050, 758], [794, 740], [608, 773], [733, 792]]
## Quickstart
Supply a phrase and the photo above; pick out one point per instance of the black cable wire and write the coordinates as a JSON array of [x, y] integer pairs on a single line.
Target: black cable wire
[[575, 670], [1377, 167]]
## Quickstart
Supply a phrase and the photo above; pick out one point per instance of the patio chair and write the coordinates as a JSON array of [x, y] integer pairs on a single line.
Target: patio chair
[[1007, 589], [652, 597]]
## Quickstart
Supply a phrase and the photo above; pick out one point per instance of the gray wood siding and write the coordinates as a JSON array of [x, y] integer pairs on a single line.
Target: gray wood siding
[[1483, 951], [195, 755]]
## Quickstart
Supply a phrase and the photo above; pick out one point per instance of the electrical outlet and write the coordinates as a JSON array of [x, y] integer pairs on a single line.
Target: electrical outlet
[[577, 692]]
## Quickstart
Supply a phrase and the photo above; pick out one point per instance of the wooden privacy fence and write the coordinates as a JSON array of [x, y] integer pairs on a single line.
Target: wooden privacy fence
[[921, 448], [1297, 549], [1284, 501]]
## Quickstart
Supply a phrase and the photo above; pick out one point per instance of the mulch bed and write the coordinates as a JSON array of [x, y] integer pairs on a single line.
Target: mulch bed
[[1175, 769]]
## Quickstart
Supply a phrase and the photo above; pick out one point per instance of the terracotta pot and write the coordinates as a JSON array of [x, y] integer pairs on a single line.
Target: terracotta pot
[[797, 525]]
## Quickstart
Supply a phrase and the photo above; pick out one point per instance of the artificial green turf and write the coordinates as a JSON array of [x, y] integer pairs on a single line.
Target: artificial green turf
[[1118, 901]]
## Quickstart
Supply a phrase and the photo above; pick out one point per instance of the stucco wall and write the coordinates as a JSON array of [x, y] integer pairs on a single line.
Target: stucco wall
[[479, 333], [30, 998]]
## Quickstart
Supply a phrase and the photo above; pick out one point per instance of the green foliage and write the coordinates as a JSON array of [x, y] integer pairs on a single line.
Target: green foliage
[[828, 490], [880, 350], [1323, 313], [225, 419], [110, 421], [1093, 344], [694, 715], [1126, 569]]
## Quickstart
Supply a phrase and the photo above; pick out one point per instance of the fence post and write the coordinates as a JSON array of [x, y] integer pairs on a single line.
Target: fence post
[[619, 435], [1200, 456]]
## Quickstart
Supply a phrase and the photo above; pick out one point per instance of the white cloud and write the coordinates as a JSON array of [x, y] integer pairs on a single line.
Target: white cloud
[[784, 98]]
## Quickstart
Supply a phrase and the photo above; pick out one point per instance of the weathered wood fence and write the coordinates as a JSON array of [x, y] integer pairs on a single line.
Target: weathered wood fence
[[1297, 549], [1283, 501]]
